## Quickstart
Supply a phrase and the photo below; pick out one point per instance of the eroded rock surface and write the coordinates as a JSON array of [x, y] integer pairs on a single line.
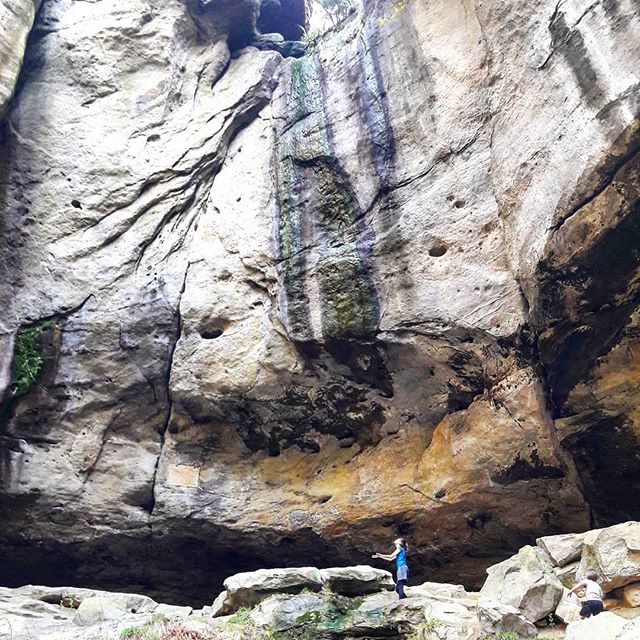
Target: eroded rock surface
[[443, 612], [261, 311], [16, 18]]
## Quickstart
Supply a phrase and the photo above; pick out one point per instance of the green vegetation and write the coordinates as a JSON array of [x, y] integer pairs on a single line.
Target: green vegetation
[[240, 617], [139, 633], [335, 10], [299, 80], [160, 628], [503, 635], [28, 357], [69, 601]]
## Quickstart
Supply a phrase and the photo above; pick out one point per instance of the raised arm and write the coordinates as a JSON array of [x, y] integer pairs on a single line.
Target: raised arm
[[580, 585], [389, 557]]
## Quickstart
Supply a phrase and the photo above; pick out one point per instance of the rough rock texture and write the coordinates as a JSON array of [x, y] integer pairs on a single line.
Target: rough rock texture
[[295, 604], [250, 588], [262, 311], [498, 618], [16, 20], [606, 626], [349, 581], [526, 582], [438, 613], [565, 549], [536, 581], [247, 589], [614, 553]]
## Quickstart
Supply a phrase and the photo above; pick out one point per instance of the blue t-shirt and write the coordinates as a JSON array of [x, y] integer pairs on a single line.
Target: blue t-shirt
[[401, 558]]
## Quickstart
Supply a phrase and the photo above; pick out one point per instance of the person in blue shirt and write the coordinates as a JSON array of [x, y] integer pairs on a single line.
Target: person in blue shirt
[[402, 568]]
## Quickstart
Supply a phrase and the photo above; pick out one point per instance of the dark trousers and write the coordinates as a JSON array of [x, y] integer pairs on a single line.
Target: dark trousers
[[591, 608], [400, 589]]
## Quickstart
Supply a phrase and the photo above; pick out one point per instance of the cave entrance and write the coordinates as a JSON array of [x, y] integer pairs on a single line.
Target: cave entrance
[[286, 17]]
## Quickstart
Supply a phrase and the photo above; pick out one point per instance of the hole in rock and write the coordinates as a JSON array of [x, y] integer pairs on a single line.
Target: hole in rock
[[212, 328], [286, 17], [76, 204], [438, 249], [211, 334]]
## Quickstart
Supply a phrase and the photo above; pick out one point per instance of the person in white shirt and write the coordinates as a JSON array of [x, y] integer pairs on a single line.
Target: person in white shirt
[[592, 604]]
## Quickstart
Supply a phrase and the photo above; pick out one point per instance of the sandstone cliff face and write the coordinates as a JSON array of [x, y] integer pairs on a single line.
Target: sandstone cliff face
[[265, 311], [16, 18]]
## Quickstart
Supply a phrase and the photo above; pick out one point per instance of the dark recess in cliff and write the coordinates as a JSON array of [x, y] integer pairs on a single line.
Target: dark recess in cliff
[[286, 17]]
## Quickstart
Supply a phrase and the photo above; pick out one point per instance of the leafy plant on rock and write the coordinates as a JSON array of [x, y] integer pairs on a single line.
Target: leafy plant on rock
[[28, 357], [69, 601]]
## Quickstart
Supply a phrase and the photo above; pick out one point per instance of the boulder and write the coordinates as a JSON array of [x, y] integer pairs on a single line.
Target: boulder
[[250, 588], [222, 605], [568, 609], [562, 549], [98, 609], [631, 594], [525, 581], [606, 626], [615, 554], [356, 581], [631, 630], [382, 615], [497, 617], [173, 611], [567, 574], [441, 590], [282, 613]]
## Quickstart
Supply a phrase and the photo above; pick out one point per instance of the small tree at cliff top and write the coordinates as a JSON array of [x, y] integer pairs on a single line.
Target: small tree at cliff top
[[335, 10]]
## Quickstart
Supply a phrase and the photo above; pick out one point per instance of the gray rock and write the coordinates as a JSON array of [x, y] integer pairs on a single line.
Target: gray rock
[[282, 613], [222, 605], [293, 49], [497, 617], [606, 626], [567, 574], [356, 581], [438, 590], [173, 611], [269, 40], [568, 609], [526, 582], [631, 631], [614, 553], [16, 18], [562, 549], [248, 589], [98, 609]]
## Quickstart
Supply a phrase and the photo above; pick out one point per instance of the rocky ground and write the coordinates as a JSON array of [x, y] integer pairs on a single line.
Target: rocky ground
[[523, 597]]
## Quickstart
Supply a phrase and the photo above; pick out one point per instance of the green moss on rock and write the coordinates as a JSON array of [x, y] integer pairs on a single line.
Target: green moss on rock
[[28, 357]]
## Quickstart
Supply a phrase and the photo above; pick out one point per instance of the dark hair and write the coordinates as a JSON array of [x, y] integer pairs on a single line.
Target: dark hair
[[591, 575]]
